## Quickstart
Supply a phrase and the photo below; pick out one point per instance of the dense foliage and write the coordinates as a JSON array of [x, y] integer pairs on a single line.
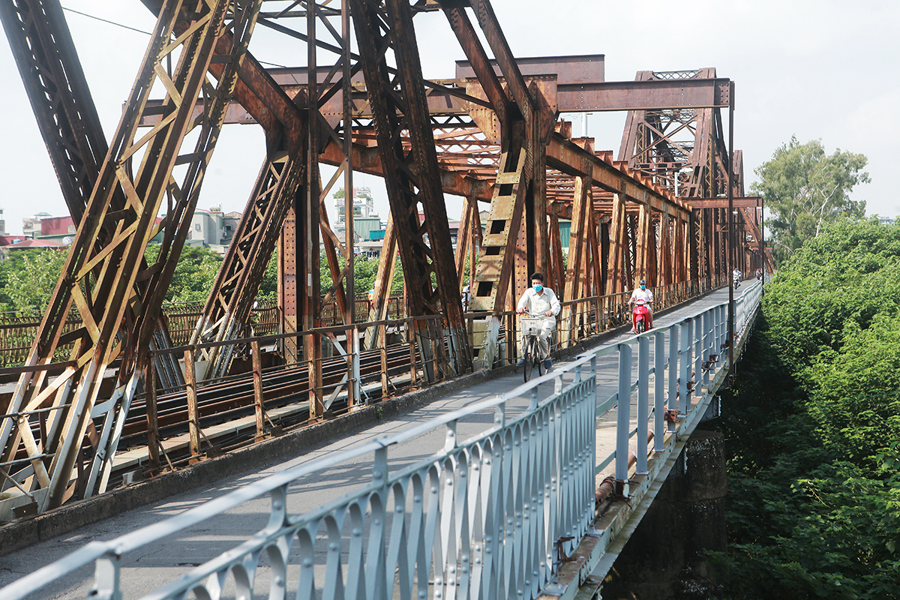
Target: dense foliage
[[813, 423], [28, 277], [804, 188]]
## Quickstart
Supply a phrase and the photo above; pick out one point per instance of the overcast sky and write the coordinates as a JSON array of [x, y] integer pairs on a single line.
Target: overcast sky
[[819, 69]]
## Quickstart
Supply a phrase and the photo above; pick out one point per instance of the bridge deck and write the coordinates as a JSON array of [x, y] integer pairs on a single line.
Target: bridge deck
[[164, 561]]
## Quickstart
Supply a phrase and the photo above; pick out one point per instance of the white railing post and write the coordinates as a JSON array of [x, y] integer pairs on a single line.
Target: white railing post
[[709, 336], [673, 367], [698, 355], [659, 391], [107, 577], [684, 404], [623, 417], [643, 407]]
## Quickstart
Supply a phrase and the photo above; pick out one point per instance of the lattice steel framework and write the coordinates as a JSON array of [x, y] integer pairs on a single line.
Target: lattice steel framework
[[491, 136]]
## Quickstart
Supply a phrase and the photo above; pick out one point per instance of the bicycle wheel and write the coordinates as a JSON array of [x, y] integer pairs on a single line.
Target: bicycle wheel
[[540, 361], [529, 357]]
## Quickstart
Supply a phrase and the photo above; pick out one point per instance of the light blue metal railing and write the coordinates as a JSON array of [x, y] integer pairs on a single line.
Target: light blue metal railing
[[484, 518]]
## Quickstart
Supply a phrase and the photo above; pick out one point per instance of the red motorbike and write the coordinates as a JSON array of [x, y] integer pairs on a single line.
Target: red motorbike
[[641, 317]]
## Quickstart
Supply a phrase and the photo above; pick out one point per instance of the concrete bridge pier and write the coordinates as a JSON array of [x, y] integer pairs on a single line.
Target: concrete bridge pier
[[664, 558]]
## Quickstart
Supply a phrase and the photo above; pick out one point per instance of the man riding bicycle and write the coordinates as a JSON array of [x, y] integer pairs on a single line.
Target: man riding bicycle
[[540, 302]]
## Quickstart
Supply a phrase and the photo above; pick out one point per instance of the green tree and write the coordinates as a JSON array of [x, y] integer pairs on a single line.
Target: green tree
[[813, 426], [804, 188], [194, 275], [28, 278]]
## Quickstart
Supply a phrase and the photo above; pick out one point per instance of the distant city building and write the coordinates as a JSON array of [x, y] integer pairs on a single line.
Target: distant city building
[[12, 243], [207, 227], [232, 222], [365, 218], [213, 229], [885, 220], [32, 225], [2, 223], [56, 229]]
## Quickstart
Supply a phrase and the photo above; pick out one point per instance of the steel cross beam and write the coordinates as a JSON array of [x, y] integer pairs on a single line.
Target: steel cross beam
[[99, 281], [745, 202], [446, 97], [413, 178]]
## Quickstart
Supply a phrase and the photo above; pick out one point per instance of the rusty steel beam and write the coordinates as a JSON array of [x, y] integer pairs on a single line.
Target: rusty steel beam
[[457, 96], [745, 202], [366, 159], [99, 281], [572, 70], [644, 95], [412, 179], [63, 107], [234, 291], [66, 116], [566, 156]]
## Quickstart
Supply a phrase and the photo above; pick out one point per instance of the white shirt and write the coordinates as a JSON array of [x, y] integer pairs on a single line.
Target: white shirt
[[644, 296], [539, 304]]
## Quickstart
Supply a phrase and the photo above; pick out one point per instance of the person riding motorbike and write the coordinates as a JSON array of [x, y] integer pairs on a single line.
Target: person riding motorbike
[[641, 296], [540, 302]]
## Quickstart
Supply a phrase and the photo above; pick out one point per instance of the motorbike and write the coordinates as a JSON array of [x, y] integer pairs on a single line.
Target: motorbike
[[641, 314]]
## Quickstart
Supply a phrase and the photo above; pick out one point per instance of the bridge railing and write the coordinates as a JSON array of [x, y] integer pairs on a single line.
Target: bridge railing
[[484, 517]]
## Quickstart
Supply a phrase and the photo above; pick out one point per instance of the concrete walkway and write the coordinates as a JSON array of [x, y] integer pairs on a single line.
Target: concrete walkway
[[158, 563]]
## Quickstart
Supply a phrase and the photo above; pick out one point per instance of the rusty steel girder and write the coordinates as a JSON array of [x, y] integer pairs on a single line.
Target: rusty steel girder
[[413, 180], [98, 279], [66, 115], [59, 95]]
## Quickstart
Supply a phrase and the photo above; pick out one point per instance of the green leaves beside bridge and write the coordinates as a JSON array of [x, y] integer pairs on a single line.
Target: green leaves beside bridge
[[814, 427]]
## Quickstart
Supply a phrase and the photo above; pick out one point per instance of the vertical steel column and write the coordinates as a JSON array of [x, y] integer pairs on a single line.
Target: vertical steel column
[[354, 389], [642, 244], [578, 249], [309, 213], [411, 178], [659, 390], [617, 239], [643, 406], [623, 418]]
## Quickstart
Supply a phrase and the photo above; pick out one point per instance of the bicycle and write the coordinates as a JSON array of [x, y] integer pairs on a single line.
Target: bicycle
[[531, 327]]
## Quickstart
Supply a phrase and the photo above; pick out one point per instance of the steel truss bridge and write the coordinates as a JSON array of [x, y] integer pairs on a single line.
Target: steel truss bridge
[[104, 370]]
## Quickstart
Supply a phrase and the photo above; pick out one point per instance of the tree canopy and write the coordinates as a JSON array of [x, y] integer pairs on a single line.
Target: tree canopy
[[813, 423], [29, 276], [805, 188]]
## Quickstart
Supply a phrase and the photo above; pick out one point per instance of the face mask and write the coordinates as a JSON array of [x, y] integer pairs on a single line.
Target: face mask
[[538, 288], [643, 287]]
